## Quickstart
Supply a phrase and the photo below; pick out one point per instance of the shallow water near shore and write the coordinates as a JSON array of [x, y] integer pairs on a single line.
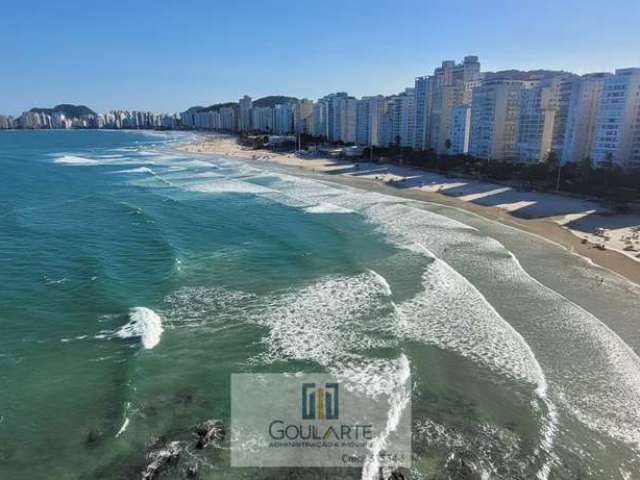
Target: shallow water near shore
[[136, 279]]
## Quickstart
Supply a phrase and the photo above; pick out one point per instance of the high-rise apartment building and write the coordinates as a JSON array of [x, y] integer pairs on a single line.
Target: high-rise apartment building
[[302, 116], [581, 116], [536, 120], [422, 116], [403, 111], [459, 129], [495, 109], [244, 116], [451, 85], [617, 131]]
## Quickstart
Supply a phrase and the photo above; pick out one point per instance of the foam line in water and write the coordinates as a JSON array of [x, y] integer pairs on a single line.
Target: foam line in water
[[327, 208], [123, 428], [143, 323], [137, 170], [398, 401], [75, 160]]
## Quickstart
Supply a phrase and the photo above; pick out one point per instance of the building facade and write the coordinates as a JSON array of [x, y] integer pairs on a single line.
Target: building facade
[[581, 117], [495, 112], [459, 130], [617, 130]]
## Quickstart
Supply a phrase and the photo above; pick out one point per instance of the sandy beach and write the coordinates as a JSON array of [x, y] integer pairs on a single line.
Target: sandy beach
[[582, 226]]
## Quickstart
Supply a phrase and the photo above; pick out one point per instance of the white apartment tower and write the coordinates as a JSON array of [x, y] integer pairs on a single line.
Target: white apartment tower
[[319, 119], [302, 117], [494, 119], [581, 117], [363, 125], [536, 121], [403, 111], [451, 85], [422, 116], [283, 119], [617, 131], [244, 118], [262, 119], [459, 129]]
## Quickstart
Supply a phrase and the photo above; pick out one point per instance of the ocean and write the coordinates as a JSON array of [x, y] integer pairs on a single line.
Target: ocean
[[136, 279]]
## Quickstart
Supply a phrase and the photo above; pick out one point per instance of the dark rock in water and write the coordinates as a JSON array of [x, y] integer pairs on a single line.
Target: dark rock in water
[[395, 475], [461, 468], [211, 431], [193, 471], [158, 460], [94, 437]]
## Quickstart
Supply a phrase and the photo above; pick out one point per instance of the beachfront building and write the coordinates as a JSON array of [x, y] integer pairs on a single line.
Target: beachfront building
[[303, 116], [5, 122], [228, 119], [341, 117], [495, 112], [617, 131], [370, 123], [536, 120], [35, 120], [363, 122], [451, 85], [403, 111], [319, 119], [262, 119], [562, 86], [581, 116], [283, 119], [348, 112], [422, 115], [459, 129], [244, 115]]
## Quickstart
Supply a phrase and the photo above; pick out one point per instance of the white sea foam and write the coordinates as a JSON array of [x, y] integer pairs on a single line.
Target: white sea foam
[[227, 186], [137, 170], [398, 400], [123, 428], [143, 323], [75, 160], [327, 208], [324, 321], [386, 288], [110, 156]]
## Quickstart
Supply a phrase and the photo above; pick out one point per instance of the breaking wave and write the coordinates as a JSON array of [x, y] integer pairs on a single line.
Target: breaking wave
[[143, 323]]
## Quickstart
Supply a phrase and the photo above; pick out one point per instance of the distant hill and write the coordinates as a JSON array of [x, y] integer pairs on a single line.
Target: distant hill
[[218, 106], [193, 109], [273, 100], [261, 102], [69, 111]]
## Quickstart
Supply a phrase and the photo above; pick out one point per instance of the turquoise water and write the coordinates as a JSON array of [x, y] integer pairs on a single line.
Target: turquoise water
[[136, 279]]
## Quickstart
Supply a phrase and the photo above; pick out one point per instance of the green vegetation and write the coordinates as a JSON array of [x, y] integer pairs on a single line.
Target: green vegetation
[[216, 107], [273, 100], [68, 110]]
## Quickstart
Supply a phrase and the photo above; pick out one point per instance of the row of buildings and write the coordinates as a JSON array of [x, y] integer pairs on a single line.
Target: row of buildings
[[115, 119], [506, 116]]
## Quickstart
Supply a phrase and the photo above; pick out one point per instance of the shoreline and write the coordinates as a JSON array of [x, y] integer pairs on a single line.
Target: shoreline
[[414, 184]]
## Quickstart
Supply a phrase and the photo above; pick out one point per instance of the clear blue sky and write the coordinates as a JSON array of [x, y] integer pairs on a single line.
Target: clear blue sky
[[168, 55]]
